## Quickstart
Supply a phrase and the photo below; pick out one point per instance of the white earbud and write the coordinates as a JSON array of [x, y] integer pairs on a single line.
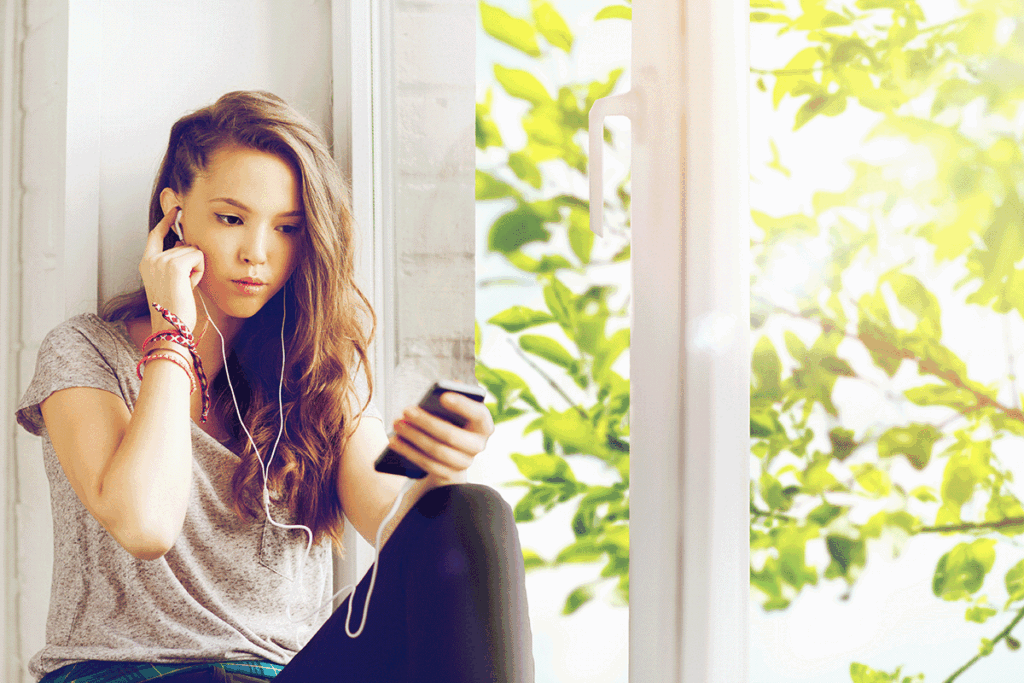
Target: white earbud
[[177, 227]]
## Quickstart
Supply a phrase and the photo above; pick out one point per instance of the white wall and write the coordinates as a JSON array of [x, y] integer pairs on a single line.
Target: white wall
[[96, 85], [159, 60]]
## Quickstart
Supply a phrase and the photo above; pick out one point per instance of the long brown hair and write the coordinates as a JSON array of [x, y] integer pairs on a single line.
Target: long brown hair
[[325, 338]]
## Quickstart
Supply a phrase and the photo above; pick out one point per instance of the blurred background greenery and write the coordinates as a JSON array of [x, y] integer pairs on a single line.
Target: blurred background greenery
[[887, 244]]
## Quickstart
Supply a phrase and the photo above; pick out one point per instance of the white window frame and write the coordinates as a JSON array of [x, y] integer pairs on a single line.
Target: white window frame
[[689, 355]]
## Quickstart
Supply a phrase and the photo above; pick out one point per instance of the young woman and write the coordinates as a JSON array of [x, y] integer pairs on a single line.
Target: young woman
[[181, 499]]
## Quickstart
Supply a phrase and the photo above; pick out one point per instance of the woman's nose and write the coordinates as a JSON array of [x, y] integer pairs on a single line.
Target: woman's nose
[[254, 248]]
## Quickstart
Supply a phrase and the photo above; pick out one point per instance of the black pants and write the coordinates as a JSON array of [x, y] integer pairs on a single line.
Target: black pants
[[449, 603]]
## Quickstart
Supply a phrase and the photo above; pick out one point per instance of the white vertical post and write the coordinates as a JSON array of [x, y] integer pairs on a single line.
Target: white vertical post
[[689, 355], [82, 154], [10, 200], [363, 87], [716, 375]]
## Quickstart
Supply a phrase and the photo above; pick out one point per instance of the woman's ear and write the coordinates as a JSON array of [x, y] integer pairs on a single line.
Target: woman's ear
[[168, 200]]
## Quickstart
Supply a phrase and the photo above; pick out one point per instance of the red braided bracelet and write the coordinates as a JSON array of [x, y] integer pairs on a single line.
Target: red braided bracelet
[[177, 360], [184, 337]]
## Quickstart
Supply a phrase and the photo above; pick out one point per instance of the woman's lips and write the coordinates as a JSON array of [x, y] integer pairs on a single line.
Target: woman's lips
[[248, 287]]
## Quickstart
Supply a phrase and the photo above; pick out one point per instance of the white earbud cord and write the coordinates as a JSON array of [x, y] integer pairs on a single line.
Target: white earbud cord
[[265, 469]]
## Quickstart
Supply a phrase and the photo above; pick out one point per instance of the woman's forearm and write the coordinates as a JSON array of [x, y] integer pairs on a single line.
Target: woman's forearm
[[145, 490]]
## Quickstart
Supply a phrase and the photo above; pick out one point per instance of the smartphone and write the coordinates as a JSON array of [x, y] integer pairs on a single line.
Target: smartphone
[[393, 462]]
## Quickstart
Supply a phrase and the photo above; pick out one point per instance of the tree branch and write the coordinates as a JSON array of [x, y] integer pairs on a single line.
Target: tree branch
[[1002, 634], [757, 512], [884, 348], [972, 526], [554, 385]]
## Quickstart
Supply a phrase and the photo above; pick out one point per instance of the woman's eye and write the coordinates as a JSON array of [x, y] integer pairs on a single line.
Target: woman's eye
[[290, 229], [229, 219]]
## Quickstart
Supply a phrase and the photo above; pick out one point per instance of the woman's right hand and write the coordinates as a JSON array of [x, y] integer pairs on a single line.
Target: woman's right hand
[[170, 276]]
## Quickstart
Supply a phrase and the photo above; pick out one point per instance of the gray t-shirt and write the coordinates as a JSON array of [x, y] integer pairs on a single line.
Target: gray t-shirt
[[220, 593]]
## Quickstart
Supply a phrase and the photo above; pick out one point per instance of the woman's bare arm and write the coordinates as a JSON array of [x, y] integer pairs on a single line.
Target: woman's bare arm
[[367, 495], [132, 471]]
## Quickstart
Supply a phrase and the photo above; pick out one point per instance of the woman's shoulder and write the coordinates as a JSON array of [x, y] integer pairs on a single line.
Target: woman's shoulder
[[88, 325]]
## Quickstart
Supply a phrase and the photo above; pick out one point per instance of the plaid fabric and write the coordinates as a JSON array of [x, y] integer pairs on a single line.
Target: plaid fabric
[[131, 672]]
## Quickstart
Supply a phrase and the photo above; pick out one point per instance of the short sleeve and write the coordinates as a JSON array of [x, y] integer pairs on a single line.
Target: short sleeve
[[76, 353], [362, 391]]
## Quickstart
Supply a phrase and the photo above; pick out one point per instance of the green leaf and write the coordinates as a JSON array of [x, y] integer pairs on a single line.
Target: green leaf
[[846, 553], [512, 31], [873, 480], [552, 26], [824, 513], [815, 105], [544, 467], [924, 494], [768, 17], [559, 300], [979, 614], [861, 673], [539, 496], [524, 168], [548, 349], [487, 133], [598, 89], [958, 481], [577, 599], [1015, 582], [914, 441], [961, 571], [489, 187], [514, 229], [583, 550], [522, 84], [843, 443], [506, 386], [916, 298], [615, 12], [766, 372], [575, 433], [532, 560], [545, 264], [581, 238], [608, 353], [518, 318]]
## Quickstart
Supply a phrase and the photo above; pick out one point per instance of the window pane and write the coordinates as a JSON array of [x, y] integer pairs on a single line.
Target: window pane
[[887, 292], [553, 306]]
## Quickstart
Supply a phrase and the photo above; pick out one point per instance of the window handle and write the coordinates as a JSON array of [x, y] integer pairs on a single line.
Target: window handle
[[627, 104]]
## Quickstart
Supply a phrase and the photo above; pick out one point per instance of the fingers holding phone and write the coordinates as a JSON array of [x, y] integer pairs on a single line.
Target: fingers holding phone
[[442, 436]]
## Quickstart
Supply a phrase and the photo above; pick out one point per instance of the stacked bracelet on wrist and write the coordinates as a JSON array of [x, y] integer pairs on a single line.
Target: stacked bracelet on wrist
[[177, 359], [183, 337]]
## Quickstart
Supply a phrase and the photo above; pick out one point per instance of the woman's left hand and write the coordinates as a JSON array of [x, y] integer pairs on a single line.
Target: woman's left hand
[[444, 450]]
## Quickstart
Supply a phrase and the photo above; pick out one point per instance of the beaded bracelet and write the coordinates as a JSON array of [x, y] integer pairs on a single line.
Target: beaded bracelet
[[177, 360], [184, 338]]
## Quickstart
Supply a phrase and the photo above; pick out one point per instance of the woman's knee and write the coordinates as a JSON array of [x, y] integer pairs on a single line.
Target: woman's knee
[[475, 512], [472, 504]]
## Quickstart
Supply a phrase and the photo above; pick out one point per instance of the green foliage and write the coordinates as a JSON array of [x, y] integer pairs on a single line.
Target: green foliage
[[573, 343], [940, 91], [859, 673]]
